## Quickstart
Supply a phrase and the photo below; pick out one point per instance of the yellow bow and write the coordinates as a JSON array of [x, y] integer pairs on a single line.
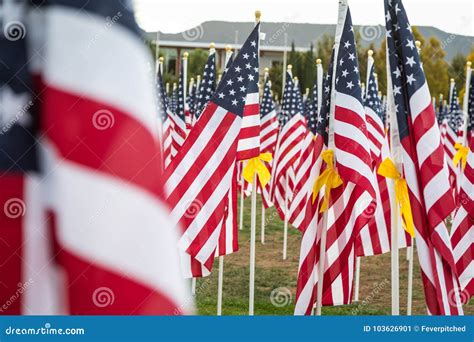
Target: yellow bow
[[330, 177], [461, 155], [257, 165], [388, 169]]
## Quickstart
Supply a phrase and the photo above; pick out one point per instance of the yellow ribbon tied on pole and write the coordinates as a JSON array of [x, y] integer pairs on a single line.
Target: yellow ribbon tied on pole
[[329, 178], [388, 169], [461, 155], [257, 166]]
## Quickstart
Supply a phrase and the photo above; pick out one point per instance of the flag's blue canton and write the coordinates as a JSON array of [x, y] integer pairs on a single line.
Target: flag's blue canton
[[470, 110], [323, 117], [288, 106], [440, 110], [207, 85], [455, 115], [405, 68], [299, 97], [372, 99], [18, 127], [241, 78], [180, 96], [162, 98], [192, 97], [267, 105], [312, 103], [347, 66], [174, 100]]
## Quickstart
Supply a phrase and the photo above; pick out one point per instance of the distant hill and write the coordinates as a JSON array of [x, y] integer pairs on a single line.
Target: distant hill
[[303, 34]]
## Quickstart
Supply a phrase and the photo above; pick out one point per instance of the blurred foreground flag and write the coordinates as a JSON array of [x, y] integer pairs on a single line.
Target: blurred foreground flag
[[106, 246]]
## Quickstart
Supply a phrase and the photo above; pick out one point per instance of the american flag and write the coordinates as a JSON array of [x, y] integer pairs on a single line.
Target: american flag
[[312, 223], [470, 113], [353, 204], [228, 239], [93, 252], [373, 109], [174, 98], [299, 96], [288, 149], [352, 148], [179, 132], [304, 175], [268, 133], [462, 231], [424, 164], [199, 179], [190, 98], [164, 114], [375, 237], [207, 85], [451, 123], [440, 110]]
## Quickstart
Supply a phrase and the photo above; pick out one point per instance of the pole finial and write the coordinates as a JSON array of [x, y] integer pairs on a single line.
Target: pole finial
[[212, 46], [258, 14], [228, 48], [266, 70], [452, 80], [289, 67], [161, 59], [318, 61], [418, 44], [370, 52], [468, 63], [185, 55]]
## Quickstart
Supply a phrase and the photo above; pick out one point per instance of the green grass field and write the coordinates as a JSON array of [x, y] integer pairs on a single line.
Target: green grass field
[[272, 273]]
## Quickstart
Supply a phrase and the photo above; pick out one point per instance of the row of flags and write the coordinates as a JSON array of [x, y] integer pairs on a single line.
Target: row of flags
[[345, 166], [121, 195]]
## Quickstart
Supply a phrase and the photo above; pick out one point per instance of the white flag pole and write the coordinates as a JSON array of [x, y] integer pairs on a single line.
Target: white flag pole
[[262, 228], [370, 63], [283, 81], [242, 195], [410, 249], [343, 7], [357, 280], [193, 286], [321, 264], [262, 232], [319, 77], [220, 281], [285, 225], [253, 225], [396, 155], [285, 214], [220, 276], [410, 277]]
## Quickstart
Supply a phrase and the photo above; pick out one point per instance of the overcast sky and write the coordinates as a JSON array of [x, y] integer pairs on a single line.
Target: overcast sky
[[171, 16]]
